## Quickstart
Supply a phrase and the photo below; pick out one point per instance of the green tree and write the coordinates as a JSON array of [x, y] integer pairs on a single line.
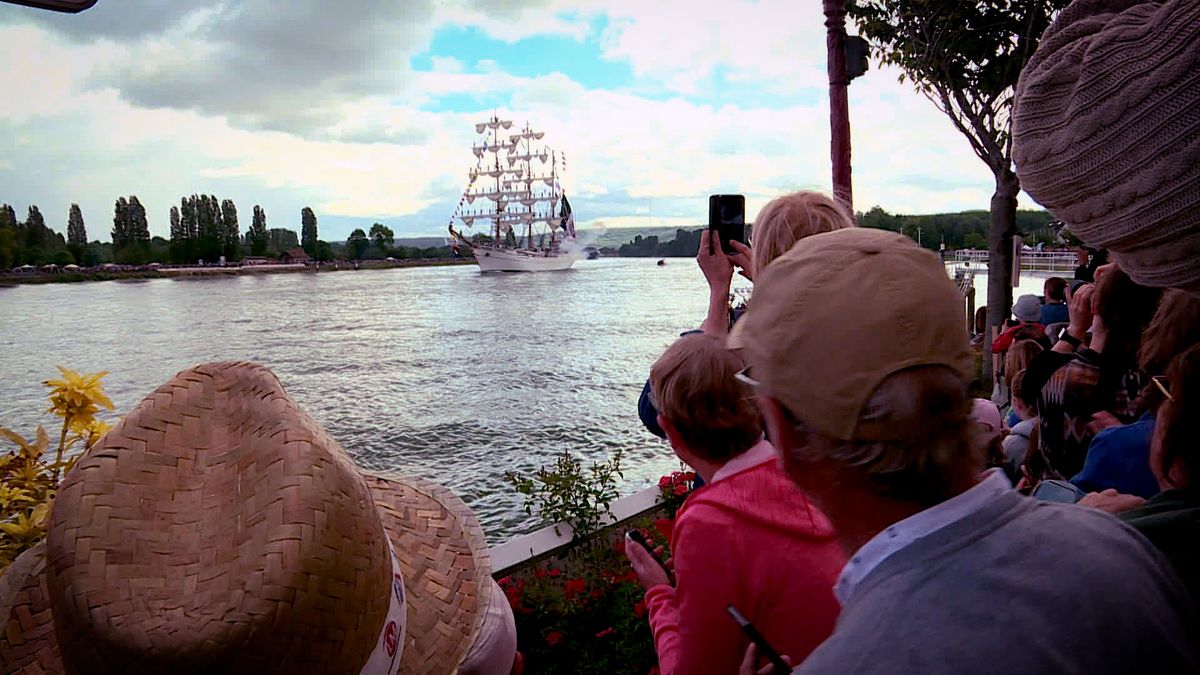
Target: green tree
[[357, 243], [308, 231], [974, 240], [256, 236], [280, 239], [966, 58], [9, 239], [178, 246], [76, 233], [382, 236], [232, 244], [324, 251], [120, 230], [139, 229]]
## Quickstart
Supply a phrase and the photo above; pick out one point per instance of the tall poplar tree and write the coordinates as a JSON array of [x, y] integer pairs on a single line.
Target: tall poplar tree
[[229, 224], [256, 236], [308, 231], [76, 234]]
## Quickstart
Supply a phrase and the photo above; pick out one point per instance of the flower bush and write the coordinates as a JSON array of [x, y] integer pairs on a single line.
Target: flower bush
[[585, 612], [675, 487], [28, 481]]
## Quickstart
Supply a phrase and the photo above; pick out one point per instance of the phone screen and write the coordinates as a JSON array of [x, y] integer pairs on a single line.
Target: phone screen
[[727, 215]]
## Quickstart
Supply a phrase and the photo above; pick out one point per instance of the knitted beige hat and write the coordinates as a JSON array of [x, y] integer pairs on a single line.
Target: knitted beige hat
[[218, 528], [1106, 132]]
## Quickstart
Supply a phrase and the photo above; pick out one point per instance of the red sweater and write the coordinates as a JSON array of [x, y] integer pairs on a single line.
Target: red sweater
[[753, 540]]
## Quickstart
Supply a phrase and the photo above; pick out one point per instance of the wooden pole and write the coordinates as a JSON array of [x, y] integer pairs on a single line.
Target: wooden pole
[[839, 109]]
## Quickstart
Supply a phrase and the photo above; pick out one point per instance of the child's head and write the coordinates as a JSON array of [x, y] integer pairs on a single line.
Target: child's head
[[1017, 389], [701, 405]]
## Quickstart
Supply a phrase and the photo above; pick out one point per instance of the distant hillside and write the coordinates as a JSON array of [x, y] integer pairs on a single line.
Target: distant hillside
[[967, 229]]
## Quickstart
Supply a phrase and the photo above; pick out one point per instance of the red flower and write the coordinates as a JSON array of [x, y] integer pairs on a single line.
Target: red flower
[[640, 608], [597, 594], [664, 527], [606, 632], [664, 481], [680, 489], [539, 573], [555, 638], [555, 572], [631, 576], [504, 581], [620, 546], [574, 587], [689, 476]]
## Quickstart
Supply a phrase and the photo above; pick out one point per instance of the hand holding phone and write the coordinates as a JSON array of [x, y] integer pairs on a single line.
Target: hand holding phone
[[640, 540], [759, 641]]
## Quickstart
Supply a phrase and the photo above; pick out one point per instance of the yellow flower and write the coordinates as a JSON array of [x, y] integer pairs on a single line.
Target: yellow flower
[[77, 398]]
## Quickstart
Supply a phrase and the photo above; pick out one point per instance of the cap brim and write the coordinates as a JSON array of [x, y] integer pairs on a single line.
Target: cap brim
[[444, 559], [28, 643]]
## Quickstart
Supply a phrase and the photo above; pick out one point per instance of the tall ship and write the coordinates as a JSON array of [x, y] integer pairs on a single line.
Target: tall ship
[[514, 195]]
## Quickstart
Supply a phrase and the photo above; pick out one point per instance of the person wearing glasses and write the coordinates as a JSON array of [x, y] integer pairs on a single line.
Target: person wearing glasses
[[747, 538], [855, 341]]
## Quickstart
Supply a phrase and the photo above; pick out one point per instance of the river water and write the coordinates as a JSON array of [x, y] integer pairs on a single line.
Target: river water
[[440, 372]]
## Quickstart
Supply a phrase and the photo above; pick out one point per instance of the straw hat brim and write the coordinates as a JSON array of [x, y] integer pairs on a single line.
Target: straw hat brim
[[435, 536]]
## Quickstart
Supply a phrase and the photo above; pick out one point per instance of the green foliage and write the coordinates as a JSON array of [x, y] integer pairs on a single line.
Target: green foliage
[[29, 478], [357, 244], [568, 493], [308, 231], [966, 229], [582, 615], [324, 252], [257, 237], [685, 245], [281, 239], [231, 245], [382, 236]]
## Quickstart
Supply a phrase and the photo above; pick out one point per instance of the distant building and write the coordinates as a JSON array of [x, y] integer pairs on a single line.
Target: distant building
[[258, 259], [294, 255]]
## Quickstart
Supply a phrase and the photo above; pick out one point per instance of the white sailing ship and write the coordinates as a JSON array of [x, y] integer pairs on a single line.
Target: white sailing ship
[[514, 189]]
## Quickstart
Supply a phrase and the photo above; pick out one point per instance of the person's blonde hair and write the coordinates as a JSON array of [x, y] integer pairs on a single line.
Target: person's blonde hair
[[1018, 357], [693, 387], [788, 219]]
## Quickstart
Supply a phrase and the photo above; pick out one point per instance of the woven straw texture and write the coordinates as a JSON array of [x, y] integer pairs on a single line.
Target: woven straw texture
[[445, 567], [1106, 132], [28, 644], [219, 529]]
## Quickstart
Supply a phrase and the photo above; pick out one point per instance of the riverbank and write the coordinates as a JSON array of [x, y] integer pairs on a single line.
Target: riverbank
[[12, 279]]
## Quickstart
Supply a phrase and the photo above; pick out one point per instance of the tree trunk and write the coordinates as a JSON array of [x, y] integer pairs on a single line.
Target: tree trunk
[[1002, 225]]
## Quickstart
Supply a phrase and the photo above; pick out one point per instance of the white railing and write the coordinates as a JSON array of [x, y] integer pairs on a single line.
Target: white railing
[[1031, 261]]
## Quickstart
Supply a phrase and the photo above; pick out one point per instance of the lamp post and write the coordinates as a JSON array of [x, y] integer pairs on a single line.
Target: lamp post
[[839, 113]]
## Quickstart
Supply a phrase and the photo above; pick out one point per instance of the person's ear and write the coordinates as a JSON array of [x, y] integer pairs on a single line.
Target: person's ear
[[669, 429]]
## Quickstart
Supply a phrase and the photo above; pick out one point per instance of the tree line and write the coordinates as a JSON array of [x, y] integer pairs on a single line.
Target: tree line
[[967, 229], [203, 229]]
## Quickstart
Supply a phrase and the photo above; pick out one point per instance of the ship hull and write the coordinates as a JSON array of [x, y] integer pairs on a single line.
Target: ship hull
[[510, 260]]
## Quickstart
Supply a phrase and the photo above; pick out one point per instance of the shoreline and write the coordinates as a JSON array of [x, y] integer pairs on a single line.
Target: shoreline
[[10, 279]]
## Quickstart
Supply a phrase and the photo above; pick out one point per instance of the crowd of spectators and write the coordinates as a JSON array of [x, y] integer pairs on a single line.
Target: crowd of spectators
[[1053, 528]]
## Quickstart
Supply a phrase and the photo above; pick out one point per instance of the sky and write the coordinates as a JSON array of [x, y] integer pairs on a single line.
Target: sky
[[365, 110]]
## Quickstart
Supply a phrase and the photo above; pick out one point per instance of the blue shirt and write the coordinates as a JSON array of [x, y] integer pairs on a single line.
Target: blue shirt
[[1057, 313], [1119, 458]]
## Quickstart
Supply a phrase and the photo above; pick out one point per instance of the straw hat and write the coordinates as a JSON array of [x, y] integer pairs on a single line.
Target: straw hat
[[217, 528]]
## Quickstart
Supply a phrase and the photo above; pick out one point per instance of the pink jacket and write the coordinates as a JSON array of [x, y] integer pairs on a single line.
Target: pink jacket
[[753, 540]]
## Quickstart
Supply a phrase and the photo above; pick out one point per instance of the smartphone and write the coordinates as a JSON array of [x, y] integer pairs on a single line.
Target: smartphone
[[727, 215], [1057, 491], [640, 539], [764, 647]]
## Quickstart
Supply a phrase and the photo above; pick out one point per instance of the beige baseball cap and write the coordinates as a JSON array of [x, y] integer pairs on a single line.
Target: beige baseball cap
[[840, 312]]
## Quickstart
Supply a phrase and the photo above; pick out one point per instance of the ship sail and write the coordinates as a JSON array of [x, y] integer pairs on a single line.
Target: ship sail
[[528, 229]]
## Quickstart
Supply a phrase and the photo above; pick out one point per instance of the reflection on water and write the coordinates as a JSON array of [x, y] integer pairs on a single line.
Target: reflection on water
[[440, 372]]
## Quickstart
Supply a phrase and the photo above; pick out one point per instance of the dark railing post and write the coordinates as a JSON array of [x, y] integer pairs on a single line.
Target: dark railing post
[[839, 112]]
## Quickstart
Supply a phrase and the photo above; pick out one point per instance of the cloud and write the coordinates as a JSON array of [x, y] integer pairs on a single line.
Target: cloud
[[217, 98]]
